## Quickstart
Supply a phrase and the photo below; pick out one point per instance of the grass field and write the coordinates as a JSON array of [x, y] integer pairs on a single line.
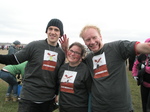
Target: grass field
[[5, 106], [13, 106]]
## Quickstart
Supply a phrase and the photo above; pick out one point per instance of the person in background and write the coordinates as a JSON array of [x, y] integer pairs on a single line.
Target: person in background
[[75, 81], [14, 48], [44, 57], [13, 86], [107, 64], [8, 74], [141, 73]]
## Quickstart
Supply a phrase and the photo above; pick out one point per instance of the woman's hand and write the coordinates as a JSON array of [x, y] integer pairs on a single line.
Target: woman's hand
[[64, 41]]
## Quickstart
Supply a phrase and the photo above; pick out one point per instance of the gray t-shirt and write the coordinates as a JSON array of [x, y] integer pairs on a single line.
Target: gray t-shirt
[[40, 78], [110, 89], [75, 86]]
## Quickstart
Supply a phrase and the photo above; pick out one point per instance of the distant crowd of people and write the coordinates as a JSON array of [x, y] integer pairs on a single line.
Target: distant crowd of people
[[59, 73]]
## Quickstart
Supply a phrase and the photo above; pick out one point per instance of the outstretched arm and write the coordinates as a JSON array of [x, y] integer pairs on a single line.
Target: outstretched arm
[[8, 59], [143, 48]]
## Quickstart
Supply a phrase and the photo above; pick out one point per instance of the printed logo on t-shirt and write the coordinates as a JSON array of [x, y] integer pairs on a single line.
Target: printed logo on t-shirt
[[50, 60], [67, 81], [99, 66]]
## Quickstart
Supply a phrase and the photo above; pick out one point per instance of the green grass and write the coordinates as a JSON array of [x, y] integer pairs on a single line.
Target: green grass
[[9, 106], [135, 93], [13, 106], [6, 106]]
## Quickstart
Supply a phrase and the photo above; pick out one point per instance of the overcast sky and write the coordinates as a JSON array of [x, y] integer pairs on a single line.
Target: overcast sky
[[26, 20]]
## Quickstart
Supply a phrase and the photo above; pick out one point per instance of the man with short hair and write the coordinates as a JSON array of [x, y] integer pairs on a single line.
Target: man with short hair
[[107, 63]]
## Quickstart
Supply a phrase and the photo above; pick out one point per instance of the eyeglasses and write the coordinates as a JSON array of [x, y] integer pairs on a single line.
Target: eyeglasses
[[77, 53]]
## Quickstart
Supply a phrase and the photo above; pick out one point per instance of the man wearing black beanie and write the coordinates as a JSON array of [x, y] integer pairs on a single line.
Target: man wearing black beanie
[[57, 23], [40, 79]]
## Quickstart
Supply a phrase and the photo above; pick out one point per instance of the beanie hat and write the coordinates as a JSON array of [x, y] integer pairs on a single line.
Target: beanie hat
[[57, 23], [16, 42]]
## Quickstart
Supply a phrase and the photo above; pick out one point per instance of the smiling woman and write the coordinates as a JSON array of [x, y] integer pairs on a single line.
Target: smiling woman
[[74, 55], [75, 81]]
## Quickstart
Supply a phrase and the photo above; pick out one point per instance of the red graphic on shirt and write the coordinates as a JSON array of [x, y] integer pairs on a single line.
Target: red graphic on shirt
[[97, 61], [68, 77], [67, 86], [101, 69], [49, 63], [51, 56]]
